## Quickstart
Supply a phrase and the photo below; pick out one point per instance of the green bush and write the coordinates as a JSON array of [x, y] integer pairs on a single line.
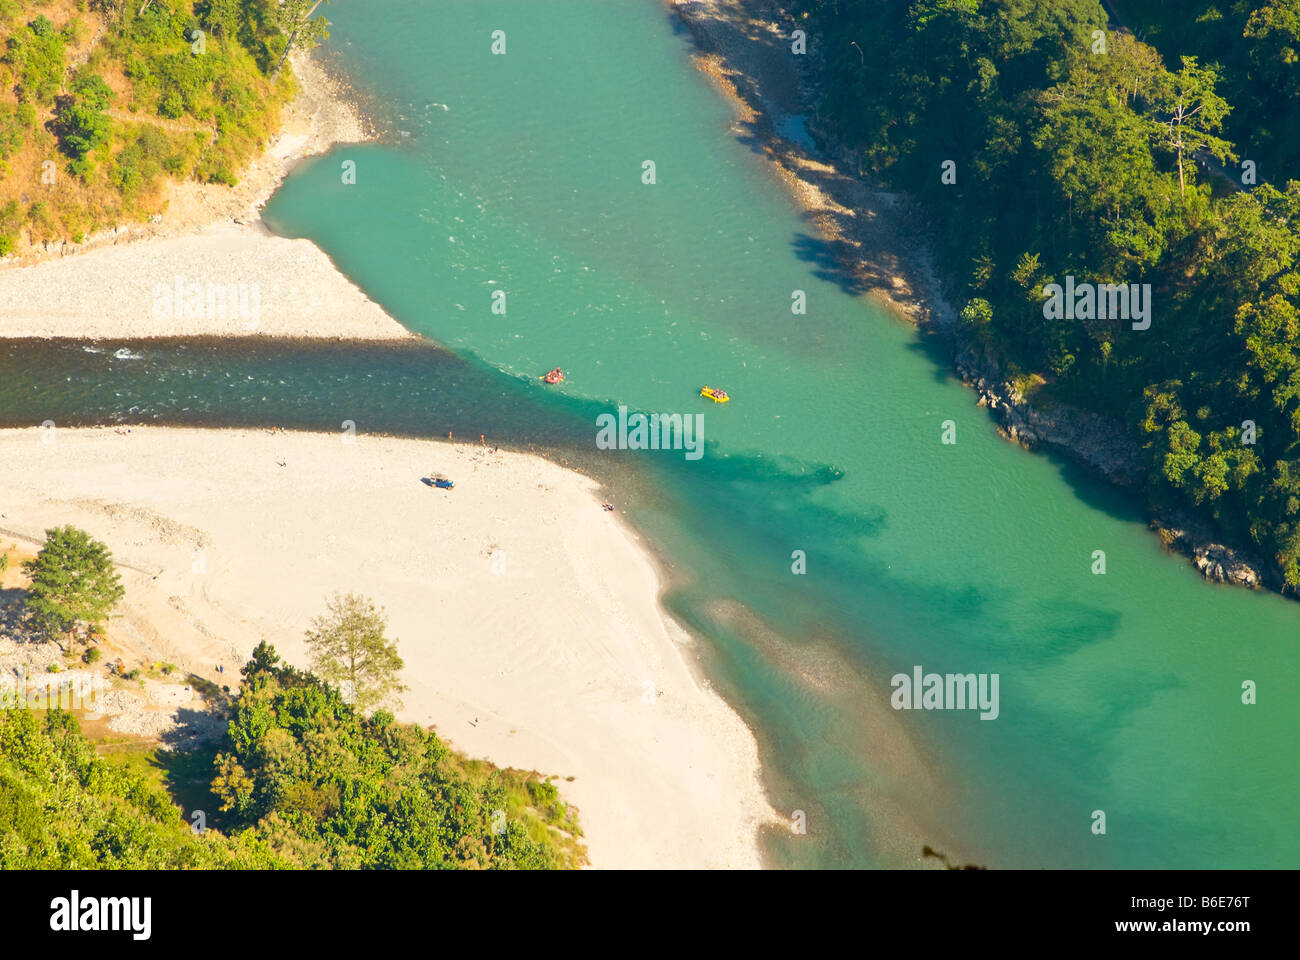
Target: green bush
[[542, 792], [14, 127], [74, 31], [64, 807], [186, 76], [171, 105], [141, 161], [91, 90], [302, 779], [156, 26], [977, 313], [217, 172], [81, 128], [139, 73], [36, 53], [360, 792]]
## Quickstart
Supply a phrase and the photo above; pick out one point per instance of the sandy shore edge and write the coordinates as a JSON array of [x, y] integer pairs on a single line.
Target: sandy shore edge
[[743, 48], [680, 790], [208, 266], [528, 617]]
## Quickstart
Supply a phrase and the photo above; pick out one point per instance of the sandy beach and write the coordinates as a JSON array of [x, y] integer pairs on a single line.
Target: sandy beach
[[207, 266], [561, 661], [527, 616], [227, 280]]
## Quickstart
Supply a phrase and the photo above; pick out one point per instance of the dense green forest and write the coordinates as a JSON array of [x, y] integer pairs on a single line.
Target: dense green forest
[[302, 780], [1113, 162], [1257, 49], [103, 101]]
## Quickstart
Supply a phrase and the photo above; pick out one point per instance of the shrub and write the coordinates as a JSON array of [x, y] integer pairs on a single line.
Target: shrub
[[542, 792], [36, 54], [92, 91], [172, 105], [13, 129], [81, 128], [137, 70], [977, 313], [154, 27], [74, 31], [220, 174]]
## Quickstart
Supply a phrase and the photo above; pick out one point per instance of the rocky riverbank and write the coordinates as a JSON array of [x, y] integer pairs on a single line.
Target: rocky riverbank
[[744, 47]]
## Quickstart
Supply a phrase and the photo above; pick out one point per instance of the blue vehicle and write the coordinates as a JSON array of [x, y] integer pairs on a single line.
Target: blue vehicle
[[443, 483]]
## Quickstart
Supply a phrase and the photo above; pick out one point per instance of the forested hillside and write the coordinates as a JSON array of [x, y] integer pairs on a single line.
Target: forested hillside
[[1257, 48], [1113, 162], [101, 101], [302, 780]]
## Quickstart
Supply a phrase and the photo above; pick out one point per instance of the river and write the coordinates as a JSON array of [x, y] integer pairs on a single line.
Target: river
[[524, 173]]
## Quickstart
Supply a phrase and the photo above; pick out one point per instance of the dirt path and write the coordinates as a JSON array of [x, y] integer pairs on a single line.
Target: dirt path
[[173, 126]]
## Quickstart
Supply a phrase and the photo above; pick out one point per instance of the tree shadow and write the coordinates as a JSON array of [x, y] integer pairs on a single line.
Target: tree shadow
[[752, 60], [877, 241], [1118, 503], [12, 615], [187, 778], [195, 728], [829, 260], [937, 348]]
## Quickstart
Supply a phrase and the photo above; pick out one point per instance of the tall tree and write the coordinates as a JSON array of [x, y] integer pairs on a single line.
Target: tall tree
[[348, 648], [1275, 30], [223, 17], [1192, 113], [73, 582], [301, 28]]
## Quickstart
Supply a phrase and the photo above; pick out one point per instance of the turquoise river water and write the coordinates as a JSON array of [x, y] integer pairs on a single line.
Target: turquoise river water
[[522, 173]]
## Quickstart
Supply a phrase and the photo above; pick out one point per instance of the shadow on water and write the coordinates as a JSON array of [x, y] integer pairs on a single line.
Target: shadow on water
[[405, 389], [828, 261], [1119, 503], [937, 349], [769, 85], [734, 587]]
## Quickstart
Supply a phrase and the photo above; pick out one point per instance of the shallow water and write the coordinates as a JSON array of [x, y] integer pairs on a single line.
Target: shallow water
[[1119, 693]]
